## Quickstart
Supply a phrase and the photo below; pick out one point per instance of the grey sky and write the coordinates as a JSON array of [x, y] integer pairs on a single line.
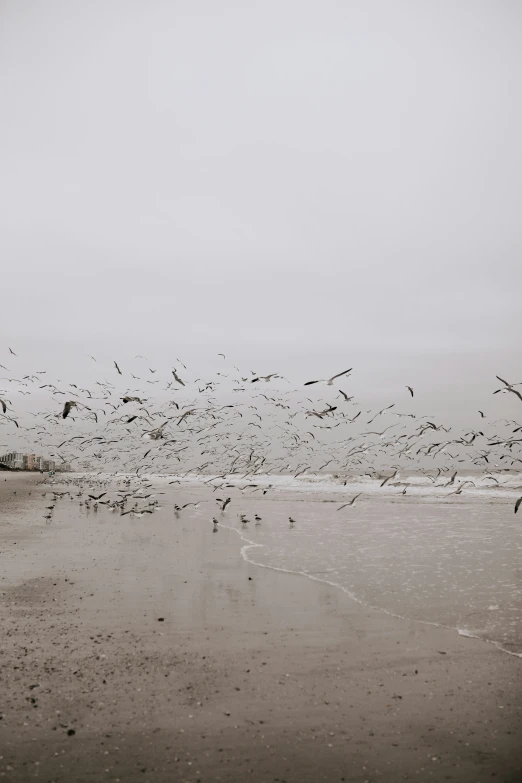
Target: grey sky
[[305, 186]]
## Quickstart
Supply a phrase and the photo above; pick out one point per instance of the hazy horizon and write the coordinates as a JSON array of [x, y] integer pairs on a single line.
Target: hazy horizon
[[302, 186]]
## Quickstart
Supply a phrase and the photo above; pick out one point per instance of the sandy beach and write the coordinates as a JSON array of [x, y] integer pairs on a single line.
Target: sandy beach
[[260, 392], [149, 650]]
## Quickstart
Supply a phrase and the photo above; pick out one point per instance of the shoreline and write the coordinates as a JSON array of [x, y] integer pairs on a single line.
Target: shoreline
[[251, 673], [252, 545]]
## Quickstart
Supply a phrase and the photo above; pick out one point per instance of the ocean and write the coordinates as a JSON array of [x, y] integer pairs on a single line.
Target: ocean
[[448, 560]]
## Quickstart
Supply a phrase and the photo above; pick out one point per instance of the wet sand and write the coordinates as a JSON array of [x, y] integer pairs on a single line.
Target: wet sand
[[250, 674]]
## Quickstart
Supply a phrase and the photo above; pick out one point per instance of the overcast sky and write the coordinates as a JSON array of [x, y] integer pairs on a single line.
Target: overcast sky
[[304, 185]]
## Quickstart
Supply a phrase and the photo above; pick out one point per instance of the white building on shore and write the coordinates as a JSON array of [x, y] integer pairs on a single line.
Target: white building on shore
[[17, 461], [13, 460]]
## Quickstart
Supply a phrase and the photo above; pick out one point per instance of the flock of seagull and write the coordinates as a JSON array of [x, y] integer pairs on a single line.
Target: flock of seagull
[[142, 421]]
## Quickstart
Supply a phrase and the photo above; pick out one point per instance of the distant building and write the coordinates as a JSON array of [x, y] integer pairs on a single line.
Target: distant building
[[15, 460]]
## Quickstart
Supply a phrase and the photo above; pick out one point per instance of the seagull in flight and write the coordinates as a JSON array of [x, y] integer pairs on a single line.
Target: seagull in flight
[[351, 503], [266, 378], [347, 399], [410, 390], [177, 378], [380, 412], [329, 381], [459, 490], [389, 478], [67, 408], [116, 365], [509, 387]]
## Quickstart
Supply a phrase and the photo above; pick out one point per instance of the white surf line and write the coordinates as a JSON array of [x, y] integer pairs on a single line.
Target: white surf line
[[461, 632]]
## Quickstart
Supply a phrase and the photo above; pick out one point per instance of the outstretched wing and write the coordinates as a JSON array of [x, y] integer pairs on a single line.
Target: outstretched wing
[[340, 373]]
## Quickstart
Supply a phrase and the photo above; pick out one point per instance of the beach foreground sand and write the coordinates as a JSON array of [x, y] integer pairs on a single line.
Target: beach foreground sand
[[149, 650]]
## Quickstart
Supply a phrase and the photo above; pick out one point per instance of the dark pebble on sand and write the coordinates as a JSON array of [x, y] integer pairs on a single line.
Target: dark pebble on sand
[[161, 619], [70, 732]]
